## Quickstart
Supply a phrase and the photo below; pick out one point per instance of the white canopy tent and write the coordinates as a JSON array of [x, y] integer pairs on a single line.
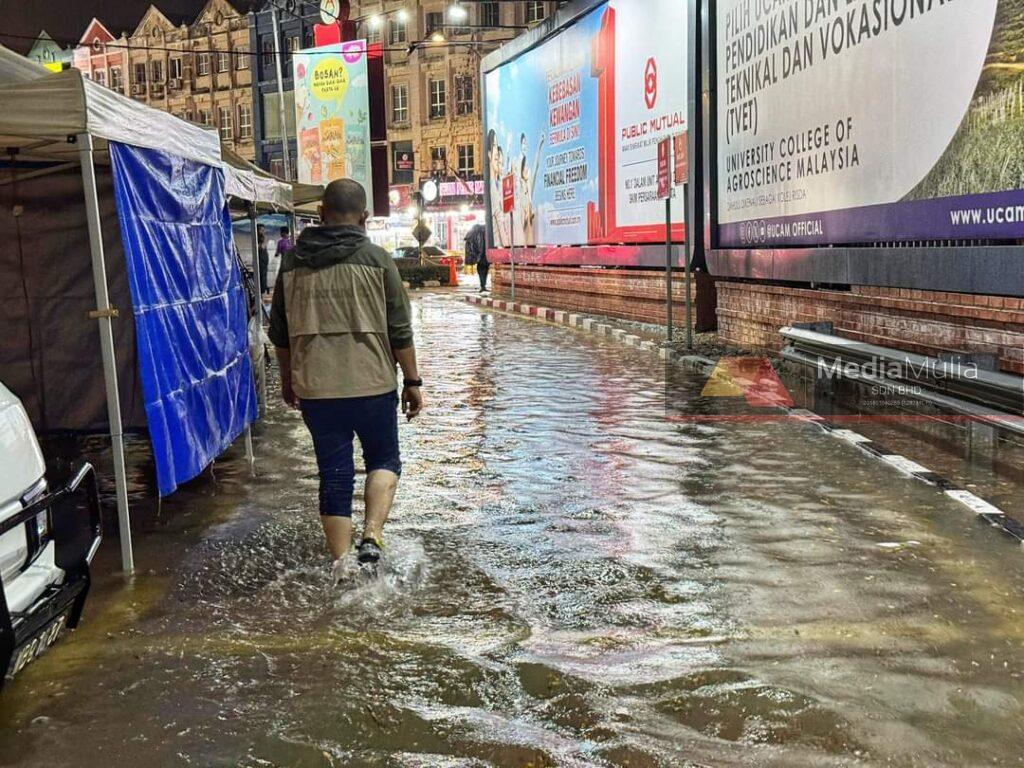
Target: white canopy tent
[[64, 119]]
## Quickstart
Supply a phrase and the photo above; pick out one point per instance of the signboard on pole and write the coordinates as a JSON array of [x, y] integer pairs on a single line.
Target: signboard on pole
[[508, 193], [332, 114], [861, 122], [664, 169]]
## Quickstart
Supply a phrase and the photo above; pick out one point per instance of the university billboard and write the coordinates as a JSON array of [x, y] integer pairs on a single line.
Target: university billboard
[[576, 122], [332, 114], [868, 121]]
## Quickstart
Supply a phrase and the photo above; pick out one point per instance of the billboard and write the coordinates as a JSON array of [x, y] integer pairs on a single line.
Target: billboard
[[332, 114], [576, 122], [862, 121]]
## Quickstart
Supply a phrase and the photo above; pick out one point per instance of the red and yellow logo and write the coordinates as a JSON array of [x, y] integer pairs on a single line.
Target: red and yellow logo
[[752, 378]]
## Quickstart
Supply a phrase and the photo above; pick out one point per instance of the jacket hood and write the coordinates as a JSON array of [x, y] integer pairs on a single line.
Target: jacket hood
[[320, 247]]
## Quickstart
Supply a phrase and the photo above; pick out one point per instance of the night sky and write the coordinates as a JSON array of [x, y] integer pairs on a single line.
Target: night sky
[[66, 20]]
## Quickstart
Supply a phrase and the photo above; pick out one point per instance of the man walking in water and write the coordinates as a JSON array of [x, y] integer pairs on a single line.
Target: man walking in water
[[339, 321]]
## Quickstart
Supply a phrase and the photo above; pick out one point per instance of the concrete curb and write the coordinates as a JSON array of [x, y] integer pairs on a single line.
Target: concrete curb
[[986, 513]]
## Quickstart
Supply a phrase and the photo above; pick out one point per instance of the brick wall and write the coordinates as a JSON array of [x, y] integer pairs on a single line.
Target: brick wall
[[630, 294], [927, 322]]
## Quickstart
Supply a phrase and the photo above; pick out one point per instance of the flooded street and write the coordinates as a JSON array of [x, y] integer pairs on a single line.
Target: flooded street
[[574, 580]]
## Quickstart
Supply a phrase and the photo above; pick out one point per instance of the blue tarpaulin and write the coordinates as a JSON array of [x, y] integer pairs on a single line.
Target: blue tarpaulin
[[189, 307]]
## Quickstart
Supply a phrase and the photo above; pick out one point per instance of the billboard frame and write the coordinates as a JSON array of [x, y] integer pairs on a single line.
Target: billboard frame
[[650, 254], [954, 266]]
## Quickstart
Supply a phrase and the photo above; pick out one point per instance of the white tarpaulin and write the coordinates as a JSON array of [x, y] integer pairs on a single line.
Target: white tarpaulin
[[40, 109]]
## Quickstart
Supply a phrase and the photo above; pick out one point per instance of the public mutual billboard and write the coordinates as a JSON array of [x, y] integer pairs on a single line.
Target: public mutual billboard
[[332, 114], [853, 121], [576, 122]]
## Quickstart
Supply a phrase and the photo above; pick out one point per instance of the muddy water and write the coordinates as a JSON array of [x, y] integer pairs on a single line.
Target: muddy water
[[573, 580]]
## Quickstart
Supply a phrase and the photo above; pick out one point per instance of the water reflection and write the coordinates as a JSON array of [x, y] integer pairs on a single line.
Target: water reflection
[[575, 581]]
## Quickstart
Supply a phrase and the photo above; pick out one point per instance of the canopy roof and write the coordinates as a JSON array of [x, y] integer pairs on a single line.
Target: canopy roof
[[246, 181], [40, 109]]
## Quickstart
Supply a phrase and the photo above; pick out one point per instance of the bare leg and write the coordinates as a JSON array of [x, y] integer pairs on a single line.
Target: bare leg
[[381, 485], [338, 531]]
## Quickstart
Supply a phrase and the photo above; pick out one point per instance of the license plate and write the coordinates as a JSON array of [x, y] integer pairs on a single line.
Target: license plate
[[38, 645]]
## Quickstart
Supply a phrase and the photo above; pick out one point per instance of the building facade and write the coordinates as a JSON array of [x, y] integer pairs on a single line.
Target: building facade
[[46, 52], [100, 56], [432, 87], [198, 69]]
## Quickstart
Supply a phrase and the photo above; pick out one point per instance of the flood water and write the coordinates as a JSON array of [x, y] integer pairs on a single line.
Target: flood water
[[573, 580]]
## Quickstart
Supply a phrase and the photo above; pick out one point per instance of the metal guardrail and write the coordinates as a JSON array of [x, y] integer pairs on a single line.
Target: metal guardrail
[[964, 388]]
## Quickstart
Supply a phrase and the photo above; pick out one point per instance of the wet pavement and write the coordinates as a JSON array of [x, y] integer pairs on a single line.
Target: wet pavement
[[574, 580]]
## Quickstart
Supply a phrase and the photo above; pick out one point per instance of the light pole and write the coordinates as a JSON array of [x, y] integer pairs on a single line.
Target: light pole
[[282, 113]]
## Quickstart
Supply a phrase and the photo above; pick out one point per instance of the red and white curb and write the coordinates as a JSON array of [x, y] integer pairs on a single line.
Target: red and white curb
[[984, 511]]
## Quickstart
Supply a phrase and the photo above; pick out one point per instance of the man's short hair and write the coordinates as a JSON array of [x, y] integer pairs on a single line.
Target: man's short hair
[[345, 197], [284, 230]]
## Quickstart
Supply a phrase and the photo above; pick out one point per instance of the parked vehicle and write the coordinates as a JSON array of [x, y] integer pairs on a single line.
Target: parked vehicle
[[47, 542], [413, 252]]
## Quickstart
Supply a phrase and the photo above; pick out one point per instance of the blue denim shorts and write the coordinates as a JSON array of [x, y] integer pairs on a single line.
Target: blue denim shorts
[[333, 423]]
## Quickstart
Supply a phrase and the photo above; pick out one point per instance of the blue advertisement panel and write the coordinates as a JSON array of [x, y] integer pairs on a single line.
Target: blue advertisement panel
[[576, 122], [542, 110], [867, 121]]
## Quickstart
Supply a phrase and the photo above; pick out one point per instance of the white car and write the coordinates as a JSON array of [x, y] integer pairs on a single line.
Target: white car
[[47, 541]]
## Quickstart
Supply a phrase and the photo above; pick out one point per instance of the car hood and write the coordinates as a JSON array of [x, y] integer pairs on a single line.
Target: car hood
[[21, 460]]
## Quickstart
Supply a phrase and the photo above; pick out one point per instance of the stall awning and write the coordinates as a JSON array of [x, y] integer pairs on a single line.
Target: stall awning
[[40, 109]]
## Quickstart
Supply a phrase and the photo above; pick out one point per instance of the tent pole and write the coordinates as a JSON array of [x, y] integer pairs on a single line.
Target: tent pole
[[261, 374], [249, 454], [104, 315]]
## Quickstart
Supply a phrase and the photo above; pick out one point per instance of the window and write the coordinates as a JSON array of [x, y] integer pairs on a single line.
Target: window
[[373, 34], [226, 132], [438, 158], [241, 58], [268, 52], [400, 103], [399, 30], [203, 64], [277, 167], [174, 69], [490, 14], [463, 95], [435, 22], [294, 44], [438, 99], [116, 81], [204, 117], [188, 115], [223, 61], [272, 115], [244, 121], [535, 12], [156, 71], [467, 159], [100, 76], [140, 74]]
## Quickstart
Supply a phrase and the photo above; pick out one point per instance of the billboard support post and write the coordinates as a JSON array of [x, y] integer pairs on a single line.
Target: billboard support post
[[689, 270], [668, 266], [286, 162], [512, 253]]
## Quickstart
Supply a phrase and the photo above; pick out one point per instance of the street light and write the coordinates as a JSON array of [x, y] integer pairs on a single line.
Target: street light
[[437, 37], [403, 15], [374, 21], [456, 12]]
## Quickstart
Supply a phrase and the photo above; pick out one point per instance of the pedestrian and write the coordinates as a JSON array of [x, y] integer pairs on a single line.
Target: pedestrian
[[284, 242], [476, 253], [263, 257], [339, 321]]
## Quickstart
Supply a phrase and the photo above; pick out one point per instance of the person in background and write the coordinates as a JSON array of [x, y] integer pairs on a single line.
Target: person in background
[[476, 253], [284, 242], [340, 320], [263, 257]]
